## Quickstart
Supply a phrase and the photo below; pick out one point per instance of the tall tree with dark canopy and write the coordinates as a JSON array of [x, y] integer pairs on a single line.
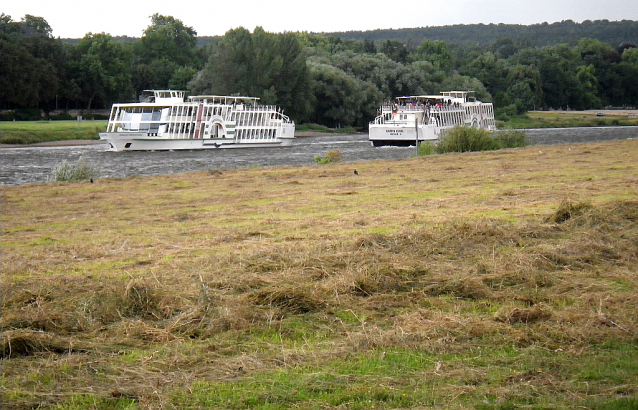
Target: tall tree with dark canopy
[[265, 65]]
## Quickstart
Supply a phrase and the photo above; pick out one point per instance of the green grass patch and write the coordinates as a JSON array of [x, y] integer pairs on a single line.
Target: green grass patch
[[323, 128], [565, 119], [30, 132]]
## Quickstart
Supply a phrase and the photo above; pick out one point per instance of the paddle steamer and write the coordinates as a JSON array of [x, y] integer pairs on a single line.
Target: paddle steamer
[[425, 117], [166, 120]]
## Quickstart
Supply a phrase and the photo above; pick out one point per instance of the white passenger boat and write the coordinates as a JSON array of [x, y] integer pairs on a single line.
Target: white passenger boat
[[426, 117], [164, 120]]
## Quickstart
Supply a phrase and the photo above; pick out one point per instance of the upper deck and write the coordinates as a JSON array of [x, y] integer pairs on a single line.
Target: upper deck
[[162, 96]]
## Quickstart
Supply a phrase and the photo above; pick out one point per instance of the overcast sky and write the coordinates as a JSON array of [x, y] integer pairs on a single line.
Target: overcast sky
[[73, 19]]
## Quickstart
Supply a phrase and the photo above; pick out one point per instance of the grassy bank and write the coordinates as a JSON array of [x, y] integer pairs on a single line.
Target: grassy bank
[[30, 132], [312, 128], [566, 119], [487, 280]]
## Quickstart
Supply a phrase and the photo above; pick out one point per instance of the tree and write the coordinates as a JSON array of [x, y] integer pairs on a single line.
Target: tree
[[19, 76], [504, 47], [588, 87], [169, 38], [557, 66], [269, 66], [32, 24], [435, 52], [100, 68], [341, 99], [181, 77], [630, 56], [385, 73], [465, 83], [524, 89], [491, 71], [166, 46], [369, 47], [32, 66], [395, 50]]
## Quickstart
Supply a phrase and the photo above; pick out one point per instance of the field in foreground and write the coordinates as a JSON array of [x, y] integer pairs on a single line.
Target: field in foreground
[[491, 280]]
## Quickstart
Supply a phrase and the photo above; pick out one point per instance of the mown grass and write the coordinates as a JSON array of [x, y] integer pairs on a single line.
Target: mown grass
[[30, 132], [488, 280]]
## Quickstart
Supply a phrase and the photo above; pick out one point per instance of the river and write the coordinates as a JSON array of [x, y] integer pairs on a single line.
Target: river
[[27, 165]]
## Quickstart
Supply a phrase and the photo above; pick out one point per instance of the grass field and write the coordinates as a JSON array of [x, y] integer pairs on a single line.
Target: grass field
[[493, 280], [563, 119], [30, 132]]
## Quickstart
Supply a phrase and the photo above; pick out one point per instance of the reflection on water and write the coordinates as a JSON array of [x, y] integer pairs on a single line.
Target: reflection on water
[[19, 166]]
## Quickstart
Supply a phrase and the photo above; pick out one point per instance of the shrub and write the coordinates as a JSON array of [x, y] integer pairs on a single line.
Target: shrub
[[511, 139], [80, 171], [505, 113], [466, 139], [426, 148], [28, 114], [331, 156], [63, 116]]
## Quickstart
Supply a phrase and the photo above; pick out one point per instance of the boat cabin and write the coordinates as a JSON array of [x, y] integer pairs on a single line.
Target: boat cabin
[[162, 96]]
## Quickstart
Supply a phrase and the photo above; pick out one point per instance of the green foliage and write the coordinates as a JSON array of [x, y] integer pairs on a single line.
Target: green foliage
[[168, 55], [426, 148], [336, 79], [324, 129], [181, 77], [469, 139], [100, 68], [435, 52], [331, 157], [511, 138], [269, 66], [466, 139], [82, 170], [395, 50], [341, 99], [168, 38], [32, 114], [630, 55]]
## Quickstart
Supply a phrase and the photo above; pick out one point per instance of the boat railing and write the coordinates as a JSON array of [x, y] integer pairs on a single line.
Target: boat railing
[[421, 108]]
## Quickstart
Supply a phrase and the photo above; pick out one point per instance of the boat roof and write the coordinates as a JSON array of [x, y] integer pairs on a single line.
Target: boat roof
[[444, 94], [226, 99], [165, 92]]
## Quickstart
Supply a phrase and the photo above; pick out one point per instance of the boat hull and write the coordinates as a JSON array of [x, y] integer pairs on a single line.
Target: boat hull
[[119, 142], [401, 136], [422, 118]]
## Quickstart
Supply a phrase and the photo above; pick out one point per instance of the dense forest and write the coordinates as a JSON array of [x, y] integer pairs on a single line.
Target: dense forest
[[483, 35], [331, 78]]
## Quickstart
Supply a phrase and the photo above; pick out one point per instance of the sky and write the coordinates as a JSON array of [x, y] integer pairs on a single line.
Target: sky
[[74, 19]]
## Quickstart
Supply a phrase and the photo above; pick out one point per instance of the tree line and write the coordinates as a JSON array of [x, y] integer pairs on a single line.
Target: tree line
[[316, 78], [483, 35]]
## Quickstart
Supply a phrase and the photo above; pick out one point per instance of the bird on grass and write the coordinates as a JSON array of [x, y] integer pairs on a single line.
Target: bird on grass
[[356, 172]]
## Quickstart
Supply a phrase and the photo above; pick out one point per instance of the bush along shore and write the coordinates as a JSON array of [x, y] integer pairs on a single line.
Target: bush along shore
[[484, 280]]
